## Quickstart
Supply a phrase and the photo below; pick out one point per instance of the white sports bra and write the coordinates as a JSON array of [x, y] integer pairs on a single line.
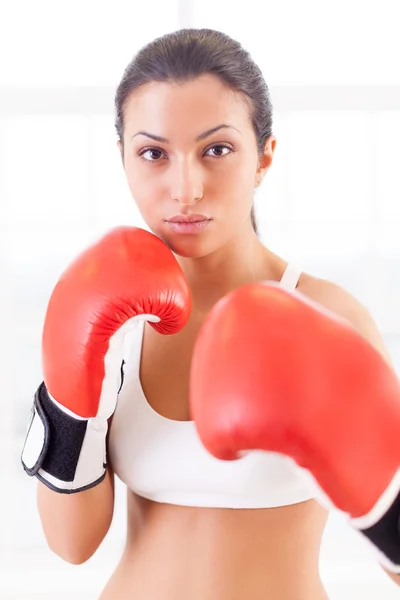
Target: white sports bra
[[163, 459]]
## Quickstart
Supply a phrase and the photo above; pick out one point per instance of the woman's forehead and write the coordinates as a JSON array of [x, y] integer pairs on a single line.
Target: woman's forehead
[[203, 102]]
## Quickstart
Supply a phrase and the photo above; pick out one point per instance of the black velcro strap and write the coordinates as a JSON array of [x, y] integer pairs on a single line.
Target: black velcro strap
[[385, 534], [64, 437]]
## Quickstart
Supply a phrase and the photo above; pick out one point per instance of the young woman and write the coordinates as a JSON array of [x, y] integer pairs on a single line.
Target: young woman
[[194, 122]]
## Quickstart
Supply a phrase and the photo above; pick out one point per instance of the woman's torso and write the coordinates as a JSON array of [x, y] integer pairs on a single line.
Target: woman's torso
[[174, 551]]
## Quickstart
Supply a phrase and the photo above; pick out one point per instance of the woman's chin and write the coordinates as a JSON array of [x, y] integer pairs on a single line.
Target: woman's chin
[[185, 252], [187, 248]]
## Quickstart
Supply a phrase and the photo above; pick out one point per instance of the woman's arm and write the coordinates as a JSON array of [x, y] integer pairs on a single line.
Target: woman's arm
[[395, 577], [75, 524]]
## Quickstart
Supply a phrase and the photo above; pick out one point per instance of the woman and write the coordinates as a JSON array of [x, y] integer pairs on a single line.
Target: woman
[[194, 121]]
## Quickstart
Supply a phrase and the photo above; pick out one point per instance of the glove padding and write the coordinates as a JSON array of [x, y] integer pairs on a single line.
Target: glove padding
[[127, 276], [273, 370]]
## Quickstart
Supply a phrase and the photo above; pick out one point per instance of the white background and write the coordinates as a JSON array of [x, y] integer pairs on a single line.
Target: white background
[[330, 203]]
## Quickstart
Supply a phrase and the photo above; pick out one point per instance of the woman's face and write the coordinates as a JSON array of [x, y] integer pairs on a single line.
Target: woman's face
[[190, 149]]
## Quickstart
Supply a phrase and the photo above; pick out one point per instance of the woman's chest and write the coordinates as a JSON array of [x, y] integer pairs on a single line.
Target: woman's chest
[[165, 370]]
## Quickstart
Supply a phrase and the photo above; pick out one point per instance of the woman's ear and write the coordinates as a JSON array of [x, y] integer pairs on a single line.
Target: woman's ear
[[265, 160], [121, 149]]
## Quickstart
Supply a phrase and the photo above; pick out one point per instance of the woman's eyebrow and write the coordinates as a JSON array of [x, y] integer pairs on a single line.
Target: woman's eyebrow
[[200, 137]]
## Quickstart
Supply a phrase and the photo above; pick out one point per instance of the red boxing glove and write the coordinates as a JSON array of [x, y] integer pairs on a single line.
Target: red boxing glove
[[129, 274], [274, 371]]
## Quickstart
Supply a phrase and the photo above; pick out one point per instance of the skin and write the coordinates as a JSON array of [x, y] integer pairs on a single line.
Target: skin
[[177, 552]]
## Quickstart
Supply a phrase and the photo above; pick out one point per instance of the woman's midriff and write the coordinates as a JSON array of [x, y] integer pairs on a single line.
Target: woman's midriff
[[176, 553]]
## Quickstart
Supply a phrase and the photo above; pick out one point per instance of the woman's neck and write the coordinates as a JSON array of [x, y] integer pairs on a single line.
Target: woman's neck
[[238, 262]]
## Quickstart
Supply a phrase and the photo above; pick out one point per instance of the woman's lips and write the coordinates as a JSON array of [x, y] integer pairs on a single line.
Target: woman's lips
[[188, 223]]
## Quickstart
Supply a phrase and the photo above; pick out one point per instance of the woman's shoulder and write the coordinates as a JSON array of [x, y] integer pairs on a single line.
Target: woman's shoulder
[[331, 295], [341, 302]]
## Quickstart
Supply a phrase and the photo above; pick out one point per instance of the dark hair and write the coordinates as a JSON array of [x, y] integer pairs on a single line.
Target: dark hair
[[187, 54]]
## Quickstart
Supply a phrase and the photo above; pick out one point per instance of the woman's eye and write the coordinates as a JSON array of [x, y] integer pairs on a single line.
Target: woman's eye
[[151, 154], [218, 150], [155, 154]]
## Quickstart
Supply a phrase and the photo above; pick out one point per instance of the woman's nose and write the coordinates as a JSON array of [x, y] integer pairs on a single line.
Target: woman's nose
[[186, 185]]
